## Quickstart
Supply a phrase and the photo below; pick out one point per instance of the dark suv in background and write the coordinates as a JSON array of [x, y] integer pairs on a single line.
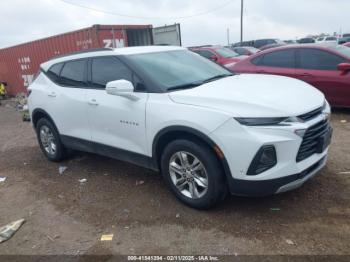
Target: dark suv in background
[[259, 42]]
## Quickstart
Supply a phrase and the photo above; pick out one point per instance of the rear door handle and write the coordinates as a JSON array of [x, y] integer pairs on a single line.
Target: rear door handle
[[93, 102], [52, 94]]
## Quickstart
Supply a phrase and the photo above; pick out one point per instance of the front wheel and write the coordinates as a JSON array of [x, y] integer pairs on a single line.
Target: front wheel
[[193, 173]]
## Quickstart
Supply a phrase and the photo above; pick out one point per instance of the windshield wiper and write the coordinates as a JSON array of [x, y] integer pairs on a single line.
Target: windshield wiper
[[198, 83], [184, 86], [216, 78]]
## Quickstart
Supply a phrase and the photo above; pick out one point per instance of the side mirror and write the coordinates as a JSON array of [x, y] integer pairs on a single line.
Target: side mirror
[[345, 67], [122, 88], [213, 58]]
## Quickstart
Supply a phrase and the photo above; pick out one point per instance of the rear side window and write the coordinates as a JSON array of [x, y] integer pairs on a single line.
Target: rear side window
[[318, 60], [73, 73], [54, 72], [285, 58], [106, 69]]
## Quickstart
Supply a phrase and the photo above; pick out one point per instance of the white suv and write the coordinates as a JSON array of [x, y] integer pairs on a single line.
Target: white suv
[[207, 130]]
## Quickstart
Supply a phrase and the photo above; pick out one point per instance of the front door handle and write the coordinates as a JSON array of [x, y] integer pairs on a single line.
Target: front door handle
[[93, 102], [52, 94], [306, 74]]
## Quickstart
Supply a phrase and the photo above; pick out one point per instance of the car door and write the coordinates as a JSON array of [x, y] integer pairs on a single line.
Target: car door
[[115, 121], [281, 62], [319, 68], [66, 98]]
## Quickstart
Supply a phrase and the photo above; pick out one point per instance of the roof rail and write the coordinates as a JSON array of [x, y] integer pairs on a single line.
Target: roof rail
[[82, 52]]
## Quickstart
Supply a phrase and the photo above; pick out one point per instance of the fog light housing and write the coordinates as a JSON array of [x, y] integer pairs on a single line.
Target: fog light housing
[[264, 159]]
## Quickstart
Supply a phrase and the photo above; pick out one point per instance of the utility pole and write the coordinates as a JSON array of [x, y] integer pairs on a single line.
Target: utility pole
[[241, 21], [228, 36]]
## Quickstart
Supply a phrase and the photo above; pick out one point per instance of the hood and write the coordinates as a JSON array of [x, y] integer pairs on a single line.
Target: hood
[[250, 95]]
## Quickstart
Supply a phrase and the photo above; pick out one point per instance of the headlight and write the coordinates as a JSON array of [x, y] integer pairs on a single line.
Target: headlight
[[266, 121]]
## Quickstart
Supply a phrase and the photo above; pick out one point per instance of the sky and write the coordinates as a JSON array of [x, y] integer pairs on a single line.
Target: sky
[[202, 21]]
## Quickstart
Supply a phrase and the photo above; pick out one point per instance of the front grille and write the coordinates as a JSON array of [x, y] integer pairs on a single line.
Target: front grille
[[311, 139], [312, 114]]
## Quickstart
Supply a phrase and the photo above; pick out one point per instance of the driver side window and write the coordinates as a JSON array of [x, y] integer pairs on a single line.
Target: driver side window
[[106, 69]]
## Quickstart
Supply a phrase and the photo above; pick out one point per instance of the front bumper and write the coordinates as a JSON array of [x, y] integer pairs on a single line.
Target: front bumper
[[240, 147], [274, 186]]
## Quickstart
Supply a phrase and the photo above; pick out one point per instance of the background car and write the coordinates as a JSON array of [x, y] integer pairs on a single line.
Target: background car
[[306, 40], [218, 54], [259, 42], [343, 40], [245, 50], [327, 39], [325, 67], [289, 42]]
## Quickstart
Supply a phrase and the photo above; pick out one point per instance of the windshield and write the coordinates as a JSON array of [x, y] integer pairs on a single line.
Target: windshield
[[177, 69], [225, 52], [343, 50]]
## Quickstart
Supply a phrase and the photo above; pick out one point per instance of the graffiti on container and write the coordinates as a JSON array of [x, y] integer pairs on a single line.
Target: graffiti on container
[[24, 63], [113, 43], [27, 79], [84, 44]]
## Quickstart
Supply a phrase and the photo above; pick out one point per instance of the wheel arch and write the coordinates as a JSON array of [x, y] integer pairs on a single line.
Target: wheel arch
[[41, 113], [169, 134]]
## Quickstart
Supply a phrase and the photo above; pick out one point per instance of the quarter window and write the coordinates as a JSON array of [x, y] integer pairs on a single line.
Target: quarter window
[[108, 69], [73, 73], [54, 72], [319, 60]]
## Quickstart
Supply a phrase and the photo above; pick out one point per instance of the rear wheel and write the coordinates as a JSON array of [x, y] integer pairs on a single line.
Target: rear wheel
[[49, 140], [193, 173]]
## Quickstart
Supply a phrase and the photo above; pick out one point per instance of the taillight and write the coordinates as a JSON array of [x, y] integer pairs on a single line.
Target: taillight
[[29, 91]]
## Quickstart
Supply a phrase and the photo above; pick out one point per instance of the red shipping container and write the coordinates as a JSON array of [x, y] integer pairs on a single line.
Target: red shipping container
[[19, 64]]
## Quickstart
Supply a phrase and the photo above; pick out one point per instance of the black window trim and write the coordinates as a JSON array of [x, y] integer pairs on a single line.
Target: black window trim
[[59, 73], [59, 77], [298, 60]]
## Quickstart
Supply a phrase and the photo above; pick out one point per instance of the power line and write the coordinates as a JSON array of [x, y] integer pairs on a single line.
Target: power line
[[148, 17]]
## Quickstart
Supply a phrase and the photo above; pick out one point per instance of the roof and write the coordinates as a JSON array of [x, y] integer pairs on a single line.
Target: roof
[[323, 46], [111, 52], [319, 46]]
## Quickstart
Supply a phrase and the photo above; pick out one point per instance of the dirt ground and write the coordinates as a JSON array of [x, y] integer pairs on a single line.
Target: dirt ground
[[64, 216]]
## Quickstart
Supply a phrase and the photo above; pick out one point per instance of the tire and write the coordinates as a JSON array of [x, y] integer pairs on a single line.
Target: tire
[[209, 179], [58, 151]]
